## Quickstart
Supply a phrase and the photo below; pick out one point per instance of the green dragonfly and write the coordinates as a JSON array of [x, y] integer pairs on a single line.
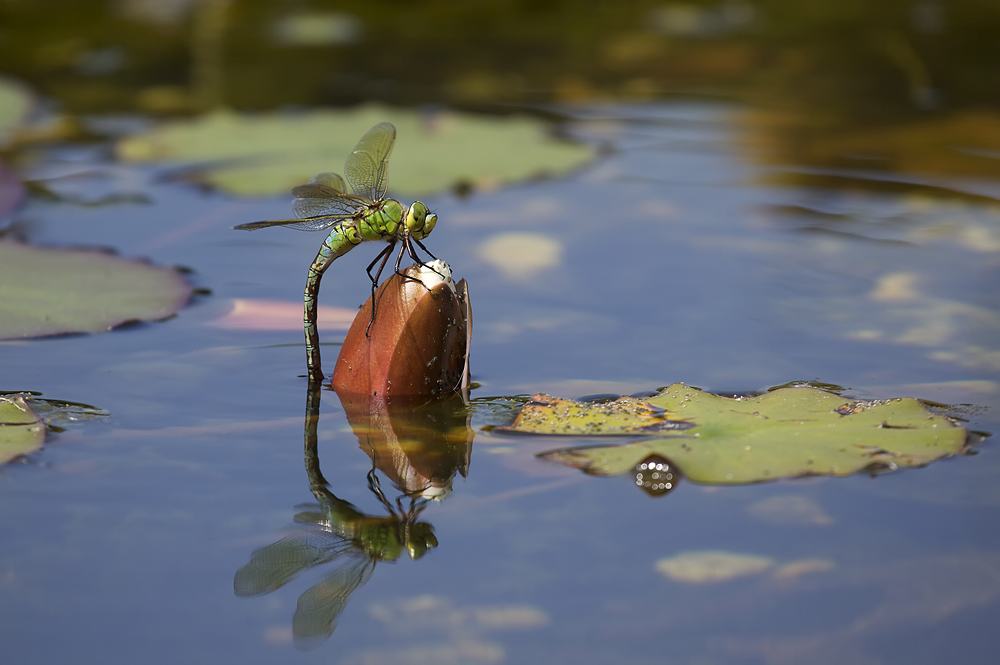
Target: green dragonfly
[[366, 214], [334, 532]]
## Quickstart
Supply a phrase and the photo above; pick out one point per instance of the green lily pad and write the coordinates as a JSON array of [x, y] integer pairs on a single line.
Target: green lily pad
[[788, 432], [15, 104], [56, 291], [21, 429], [268, 154]]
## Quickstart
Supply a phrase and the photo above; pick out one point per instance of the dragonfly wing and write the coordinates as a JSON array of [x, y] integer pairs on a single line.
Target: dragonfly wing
[[343, 205], [273, 566], [319, 606], [312, 191], [324, 185], [308, 224], [366, 167]]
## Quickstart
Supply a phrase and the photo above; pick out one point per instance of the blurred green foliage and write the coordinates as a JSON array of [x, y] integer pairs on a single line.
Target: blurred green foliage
[[903, 85], [127, 54]]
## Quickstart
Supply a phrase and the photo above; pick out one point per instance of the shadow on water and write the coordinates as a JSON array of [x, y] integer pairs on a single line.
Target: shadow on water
[[419, 449]]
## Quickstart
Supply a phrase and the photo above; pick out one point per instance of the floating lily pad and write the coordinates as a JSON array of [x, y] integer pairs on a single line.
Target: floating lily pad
[[54, 291], [15, 104], [787, 432], [789, 510], [26, 418], [21, 429], [268, 154]]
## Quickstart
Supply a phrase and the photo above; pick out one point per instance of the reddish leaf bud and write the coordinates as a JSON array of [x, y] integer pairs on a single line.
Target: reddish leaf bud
[[417, 347]]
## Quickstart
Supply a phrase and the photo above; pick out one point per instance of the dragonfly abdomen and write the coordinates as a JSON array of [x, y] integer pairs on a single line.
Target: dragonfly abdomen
[[343, 238]]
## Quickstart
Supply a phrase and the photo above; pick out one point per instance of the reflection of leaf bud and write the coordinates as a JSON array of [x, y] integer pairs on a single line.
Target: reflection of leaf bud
[[418, 344]]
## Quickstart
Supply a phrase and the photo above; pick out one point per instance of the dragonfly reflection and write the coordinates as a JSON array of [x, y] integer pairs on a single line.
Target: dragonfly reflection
[[335, 531]]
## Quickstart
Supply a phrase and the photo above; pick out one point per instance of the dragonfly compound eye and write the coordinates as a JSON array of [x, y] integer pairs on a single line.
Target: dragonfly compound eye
[[416, 217], [432, 219]]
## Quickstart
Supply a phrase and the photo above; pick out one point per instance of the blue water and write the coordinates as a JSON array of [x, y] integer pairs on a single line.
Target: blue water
[[680, 262]]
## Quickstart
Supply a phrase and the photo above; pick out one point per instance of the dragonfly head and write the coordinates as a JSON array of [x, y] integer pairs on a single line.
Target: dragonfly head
[[420, 220], [420, 538]]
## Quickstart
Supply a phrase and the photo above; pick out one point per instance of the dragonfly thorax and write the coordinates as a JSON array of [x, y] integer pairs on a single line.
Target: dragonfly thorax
[[392, 210], [382, 221]]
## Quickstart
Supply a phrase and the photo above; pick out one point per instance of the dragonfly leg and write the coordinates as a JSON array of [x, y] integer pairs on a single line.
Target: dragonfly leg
[[376, 488], [413, 255], [407, 248], [421, 245], [384, 255]]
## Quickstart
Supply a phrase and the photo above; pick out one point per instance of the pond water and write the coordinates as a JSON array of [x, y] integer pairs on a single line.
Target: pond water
[[122, 537], [702, 246]]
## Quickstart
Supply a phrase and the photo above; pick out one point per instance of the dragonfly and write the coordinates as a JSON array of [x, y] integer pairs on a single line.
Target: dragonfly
[[323, 203], [335, 532]]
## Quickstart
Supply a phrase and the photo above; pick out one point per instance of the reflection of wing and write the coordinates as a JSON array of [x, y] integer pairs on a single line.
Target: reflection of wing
[[318, 608], [366, 167], [273, 566]]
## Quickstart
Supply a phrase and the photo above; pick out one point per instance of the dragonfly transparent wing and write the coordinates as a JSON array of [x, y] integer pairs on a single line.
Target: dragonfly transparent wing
[[308, 224], [319, 204], [343, 205], [324, 185], [319, 606], [323, 196], [366, 167], [274, 566]]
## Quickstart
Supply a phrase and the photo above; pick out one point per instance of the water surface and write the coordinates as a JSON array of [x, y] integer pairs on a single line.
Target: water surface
[[679, 262]]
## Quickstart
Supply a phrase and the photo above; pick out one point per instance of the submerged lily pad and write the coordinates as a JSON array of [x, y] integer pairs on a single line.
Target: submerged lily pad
[[787, 432], [711, 566], [55, 291], [268, 154], [21, 429]]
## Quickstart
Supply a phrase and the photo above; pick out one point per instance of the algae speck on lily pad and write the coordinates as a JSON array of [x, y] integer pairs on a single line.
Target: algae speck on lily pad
[[269, 153], [788, 432], [57, 291]]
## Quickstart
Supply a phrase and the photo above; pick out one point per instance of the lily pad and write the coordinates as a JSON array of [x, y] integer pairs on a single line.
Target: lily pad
[[268, 154], [788, 432], [21, 429], [16, 102], [56, 291]]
